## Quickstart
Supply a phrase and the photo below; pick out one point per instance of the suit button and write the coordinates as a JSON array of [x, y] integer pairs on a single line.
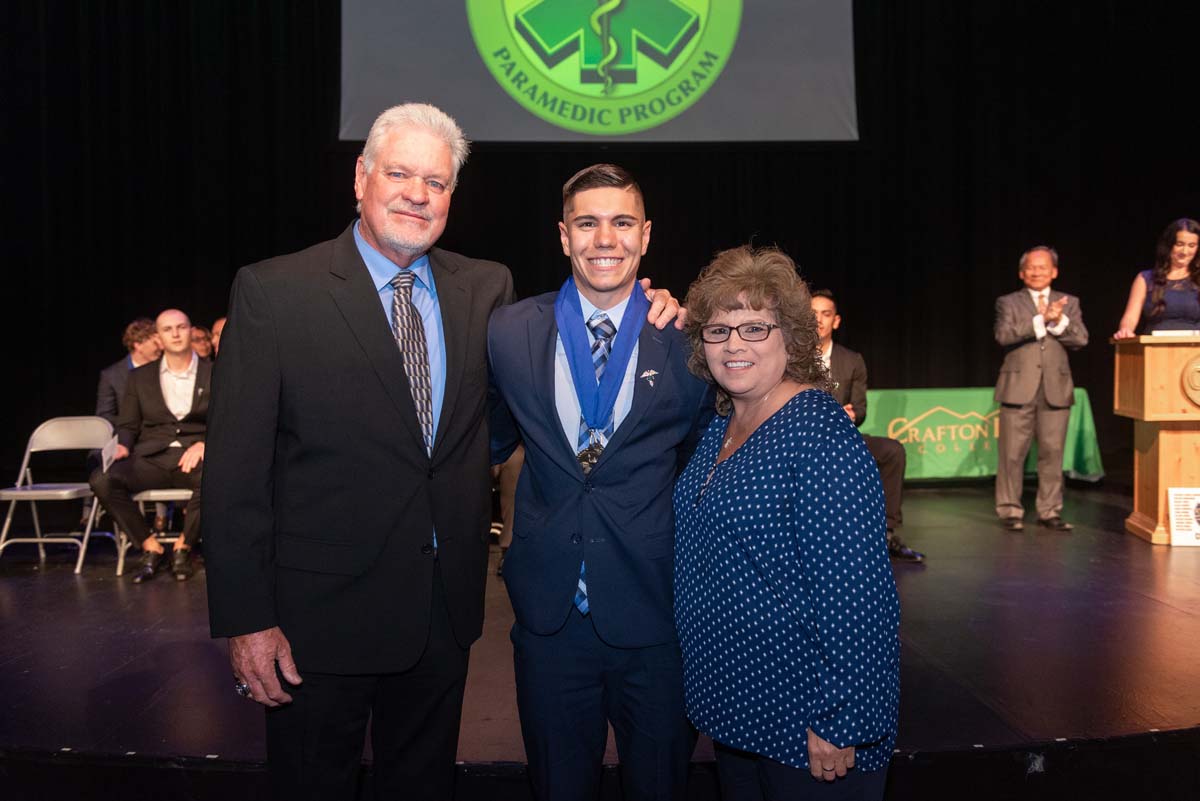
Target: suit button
[[587, 486], [430, 474], [575, 538], [427, 549]]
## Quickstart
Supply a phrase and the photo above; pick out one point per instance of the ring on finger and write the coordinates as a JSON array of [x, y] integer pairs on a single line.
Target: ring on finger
[[242, 689]]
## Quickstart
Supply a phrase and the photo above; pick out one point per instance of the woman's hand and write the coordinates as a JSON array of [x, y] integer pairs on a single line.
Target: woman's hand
[[825, 760], [1124, 333]]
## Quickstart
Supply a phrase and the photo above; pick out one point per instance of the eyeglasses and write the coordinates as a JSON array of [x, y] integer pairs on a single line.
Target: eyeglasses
[[749, 332]]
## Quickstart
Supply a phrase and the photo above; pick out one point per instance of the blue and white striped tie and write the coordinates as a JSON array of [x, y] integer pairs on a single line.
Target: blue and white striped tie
[[603, 332]]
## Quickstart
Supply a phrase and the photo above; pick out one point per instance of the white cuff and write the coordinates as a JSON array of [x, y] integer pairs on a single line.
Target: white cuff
[[1060, 326], [1039, 326]]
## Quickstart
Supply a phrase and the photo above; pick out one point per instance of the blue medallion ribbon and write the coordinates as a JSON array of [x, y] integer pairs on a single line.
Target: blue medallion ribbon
[[597, 399]]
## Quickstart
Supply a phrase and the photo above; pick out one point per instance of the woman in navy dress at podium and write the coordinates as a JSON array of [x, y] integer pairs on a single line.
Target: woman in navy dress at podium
[[1167, 298]]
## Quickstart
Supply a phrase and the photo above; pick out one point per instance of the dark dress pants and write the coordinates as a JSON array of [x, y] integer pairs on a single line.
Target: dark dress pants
[[315, 743], [751, 777], [571, 685], [891, 459], [133, 474]]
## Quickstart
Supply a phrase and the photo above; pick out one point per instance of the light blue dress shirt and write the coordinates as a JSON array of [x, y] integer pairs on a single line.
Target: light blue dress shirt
[[565, 400], [424, 297]]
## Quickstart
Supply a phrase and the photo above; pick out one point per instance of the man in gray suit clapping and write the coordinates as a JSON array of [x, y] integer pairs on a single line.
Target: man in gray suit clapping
[[1036, 326]]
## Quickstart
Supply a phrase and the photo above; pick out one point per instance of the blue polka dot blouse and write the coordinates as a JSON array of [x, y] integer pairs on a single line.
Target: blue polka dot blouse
[[784, 597]]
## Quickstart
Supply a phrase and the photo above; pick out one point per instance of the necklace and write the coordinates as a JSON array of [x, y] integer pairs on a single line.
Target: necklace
[[729, 440]]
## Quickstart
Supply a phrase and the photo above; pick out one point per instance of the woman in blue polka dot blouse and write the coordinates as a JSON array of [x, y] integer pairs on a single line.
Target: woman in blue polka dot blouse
[[784, 598]]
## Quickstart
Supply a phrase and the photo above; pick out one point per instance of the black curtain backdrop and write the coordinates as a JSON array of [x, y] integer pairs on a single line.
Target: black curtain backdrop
[[151, 148]]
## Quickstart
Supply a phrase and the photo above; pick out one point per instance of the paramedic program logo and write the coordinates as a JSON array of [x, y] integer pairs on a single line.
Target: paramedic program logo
[[605, 67]]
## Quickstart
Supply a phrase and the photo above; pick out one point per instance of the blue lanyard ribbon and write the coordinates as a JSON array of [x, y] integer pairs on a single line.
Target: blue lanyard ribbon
[[597, 399]]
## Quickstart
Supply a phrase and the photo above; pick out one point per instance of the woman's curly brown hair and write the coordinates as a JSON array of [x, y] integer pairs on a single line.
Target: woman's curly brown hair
[[756, 278]]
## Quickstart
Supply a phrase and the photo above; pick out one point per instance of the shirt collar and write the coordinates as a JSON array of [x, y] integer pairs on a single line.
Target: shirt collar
[[383, 269], [827, 351], [188, 373], [614, 314], [1035, 293]]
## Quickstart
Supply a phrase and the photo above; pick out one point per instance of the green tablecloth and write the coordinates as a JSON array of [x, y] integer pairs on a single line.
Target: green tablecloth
[[951, 433]]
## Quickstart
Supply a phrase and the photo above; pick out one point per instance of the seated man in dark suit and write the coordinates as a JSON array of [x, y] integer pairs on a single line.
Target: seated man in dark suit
[[849, 374], [141, 342], [161, 430]]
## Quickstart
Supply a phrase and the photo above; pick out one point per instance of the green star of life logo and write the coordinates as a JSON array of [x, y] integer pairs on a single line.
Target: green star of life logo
[[605, 67]]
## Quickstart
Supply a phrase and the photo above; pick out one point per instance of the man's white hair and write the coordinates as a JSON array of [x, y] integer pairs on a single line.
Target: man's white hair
[[423, 116]]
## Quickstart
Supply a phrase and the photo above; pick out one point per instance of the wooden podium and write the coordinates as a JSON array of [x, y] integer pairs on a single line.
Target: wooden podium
[[1157, 383]]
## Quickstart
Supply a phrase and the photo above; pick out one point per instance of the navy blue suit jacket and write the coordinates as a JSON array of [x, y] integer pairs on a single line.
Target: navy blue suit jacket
[[620, 516]]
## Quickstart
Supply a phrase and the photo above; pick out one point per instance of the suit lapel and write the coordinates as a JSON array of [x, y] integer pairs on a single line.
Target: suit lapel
[[454, 300], [543, 341], [358, 302], [200, 392], [653, 349]]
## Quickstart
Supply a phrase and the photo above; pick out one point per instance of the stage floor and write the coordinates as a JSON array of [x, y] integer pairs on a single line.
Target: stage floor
[[1009, 639]]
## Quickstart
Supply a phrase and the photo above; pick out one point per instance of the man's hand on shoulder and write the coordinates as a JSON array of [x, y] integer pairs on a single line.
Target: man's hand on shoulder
[[850, 411], [254, 656], [663, 307]]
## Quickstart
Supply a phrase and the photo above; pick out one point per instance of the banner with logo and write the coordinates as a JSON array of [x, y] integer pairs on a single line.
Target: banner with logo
[[575, 70], [952, 433]]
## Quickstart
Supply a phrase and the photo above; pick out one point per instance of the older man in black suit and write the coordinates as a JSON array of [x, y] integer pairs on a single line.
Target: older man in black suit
[[849, 374], [160, 430]]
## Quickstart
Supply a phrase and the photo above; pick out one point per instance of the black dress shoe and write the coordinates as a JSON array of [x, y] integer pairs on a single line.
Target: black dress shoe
[[900, 552], [181, 564], [1055, 523], [150, 564], [1012, 523]]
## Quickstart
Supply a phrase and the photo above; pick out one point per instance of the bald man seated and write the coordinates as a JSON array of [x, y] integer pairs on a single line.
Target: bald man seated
[[160, 430]]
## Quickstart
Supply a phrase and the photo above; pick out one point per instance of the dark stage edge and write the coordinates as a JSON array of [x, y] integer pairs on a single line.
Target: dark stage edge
[[1034, 665]]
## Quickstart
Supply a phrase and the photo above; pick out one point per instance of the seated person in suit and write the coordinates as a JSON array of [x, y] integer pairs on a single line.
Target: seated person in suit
[[848, 372], [142, 346], [202, 342], [217, 327], [161, 431]]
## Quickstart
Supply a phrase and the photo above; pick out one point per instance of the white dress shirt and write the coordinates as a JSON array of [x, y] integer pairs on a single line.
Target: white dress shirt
[[178, 389], [1040, 328]]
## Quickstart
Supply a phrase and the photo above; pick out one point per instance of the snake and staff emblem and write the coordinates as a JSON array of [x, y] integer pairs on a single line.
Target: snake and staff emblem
[[602, 27]]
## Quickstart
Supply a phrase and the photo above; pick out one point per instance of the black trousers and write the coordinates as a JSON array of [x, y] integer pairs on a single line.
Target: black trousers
[[315, 743], [890, 458], [134, 474], [751, 777], [571, 685]]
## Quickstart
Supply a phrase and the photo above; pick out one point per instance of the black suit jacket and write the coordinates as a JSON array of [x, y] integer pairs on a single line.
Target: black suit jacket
[[146, 426], [110, 390], [849, 374], [320, 500]]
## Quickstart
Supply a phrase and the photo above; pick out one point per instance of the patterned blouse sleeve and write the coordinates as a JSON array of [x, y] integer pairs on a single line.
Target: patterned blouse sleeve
[[848, 595]]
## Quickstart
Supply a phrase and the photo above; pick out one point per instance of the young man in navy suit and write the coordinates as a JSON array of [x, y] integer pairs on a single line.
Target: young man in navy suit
[[608, 414]]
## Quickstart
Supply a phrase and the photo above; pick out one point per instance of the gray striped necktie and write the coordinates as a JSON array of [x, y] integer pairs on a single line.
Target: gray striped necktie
[[410, 336]]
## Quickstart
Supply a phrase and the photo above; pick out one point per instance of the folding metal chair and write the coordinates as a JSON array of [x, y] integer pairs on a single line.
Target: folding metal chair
[[142, 498], [56, 434]]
